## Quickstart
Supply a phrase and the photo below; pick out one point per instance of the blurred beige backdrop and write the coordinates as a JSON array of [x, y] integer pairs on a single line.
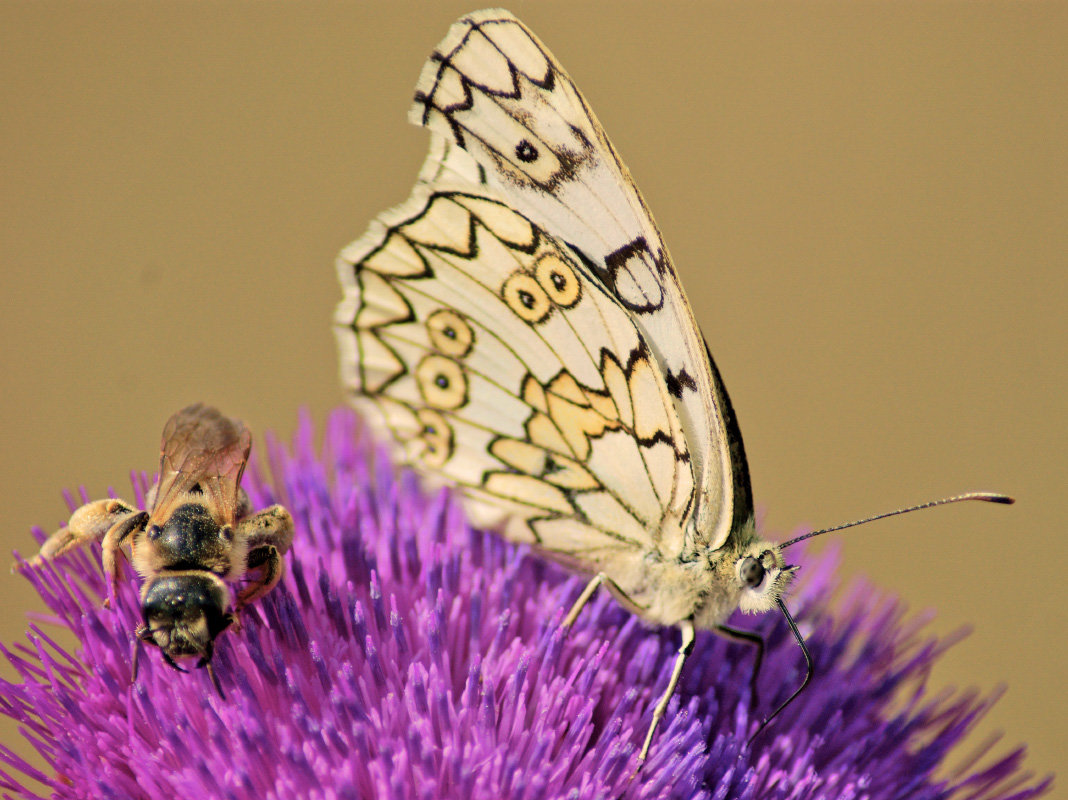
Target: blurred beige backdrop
[[867, 203]]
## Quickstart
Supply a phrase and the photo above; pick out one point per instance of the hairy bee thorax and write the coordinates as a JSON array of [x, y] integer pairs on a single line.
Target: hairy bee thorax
[[191, 538]]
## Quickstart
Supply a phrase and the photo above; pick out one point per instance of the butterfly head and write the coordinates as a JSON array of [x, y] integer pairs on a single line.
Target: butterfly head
[[761, 575]]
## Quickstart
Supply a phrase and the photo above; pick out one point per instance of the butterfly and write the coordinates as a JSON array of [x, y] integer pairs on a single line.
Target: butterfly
[[519, 330]]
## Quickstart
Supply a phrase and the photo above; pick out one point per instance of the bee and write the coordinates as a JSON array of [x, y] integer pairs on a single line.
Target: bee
[[194, 539]]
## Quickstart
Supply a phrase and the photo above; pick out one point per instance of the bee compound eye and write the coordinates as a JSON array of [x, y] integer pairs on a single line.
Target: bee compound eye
[[751, 572], [153, 532]]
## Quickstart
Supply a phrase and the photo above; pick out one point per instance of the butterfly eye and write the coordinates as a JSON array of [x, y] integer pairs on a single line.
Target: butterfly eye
[[751, 572]]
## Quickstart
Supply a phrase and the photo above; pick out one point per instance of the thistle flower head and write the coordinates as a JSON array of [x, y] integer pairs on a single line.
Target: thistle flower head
[[406, 656]]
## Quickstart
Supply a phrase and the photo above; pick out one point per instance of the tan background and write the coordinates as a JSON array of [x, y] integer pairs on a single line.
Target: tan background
[[867, 204]]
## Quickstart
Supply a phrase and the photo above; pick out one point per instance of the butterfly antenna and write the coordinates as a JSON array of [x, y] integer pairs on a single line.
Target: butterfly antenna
[[809, 670], [989, 497]]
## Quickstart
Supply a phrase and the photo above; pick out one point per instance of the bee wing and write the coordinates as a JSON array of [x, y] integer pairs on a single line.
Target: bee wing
[[202, 458]]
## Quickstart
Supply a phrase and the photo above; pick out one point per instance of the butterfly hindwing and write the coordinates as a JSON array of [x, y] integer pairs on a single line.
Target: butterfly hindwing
[[519, 330], [500, 368]]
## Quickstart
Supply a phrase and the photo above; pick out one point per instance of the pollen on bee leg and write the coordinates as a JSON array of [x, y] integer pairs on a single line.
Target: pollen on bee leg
[[115, 537], [270, 561]]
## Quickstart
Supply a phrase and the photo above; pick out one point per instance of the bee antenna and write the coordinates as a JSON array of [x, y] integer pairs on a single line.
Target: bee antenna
[[133, 658], [214, 678], [141, 634], [809, 670], [989, 497]]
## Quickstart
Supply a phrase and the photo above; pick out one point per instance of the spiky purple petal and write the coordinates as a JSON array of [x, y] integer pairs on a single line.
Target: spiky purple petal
[[406, 656]]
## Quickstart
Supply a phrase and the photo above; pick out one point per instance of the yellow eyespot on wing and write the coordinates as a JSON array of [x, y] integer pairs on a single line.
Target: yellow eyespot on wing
[[450, 333], [558, 280], [492, 88], [518, 329], [500, 368], [526, 298]]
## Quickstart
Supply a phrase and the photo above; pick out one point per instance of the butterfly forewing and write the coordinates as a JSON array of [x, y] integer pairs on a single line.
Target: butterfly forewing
[[501, 368], [495, 90], [519, 329]]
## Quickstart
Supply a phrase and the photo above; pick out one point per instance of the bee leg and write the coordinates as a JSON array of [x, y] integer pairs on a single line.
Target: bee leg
[[686, 628], [269, 559], [757, 641], [116, 535], [87, 524], [215, 680], [234, 621], [273, 526], [269, 535]]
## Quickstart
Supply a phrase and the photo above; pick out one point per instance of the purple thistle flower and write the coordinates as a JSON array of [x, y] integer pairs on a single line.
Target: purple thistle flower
[[407, 656]]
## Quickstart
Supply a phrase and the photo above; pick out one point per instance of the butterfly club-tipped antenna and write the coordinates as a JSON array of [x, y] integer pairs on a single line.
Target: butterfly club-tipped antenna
[[988, 497]]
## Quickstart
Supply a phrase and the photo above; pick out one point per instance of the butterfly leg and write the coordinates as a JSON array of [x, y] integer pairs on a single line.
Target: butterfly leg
[[757, 641], [584, 598], [685, 647]]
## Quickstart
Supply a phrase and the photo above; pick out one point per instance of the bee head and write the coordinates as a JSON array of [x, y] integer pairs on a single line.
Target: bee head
[[762, 576], [184, 612]]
